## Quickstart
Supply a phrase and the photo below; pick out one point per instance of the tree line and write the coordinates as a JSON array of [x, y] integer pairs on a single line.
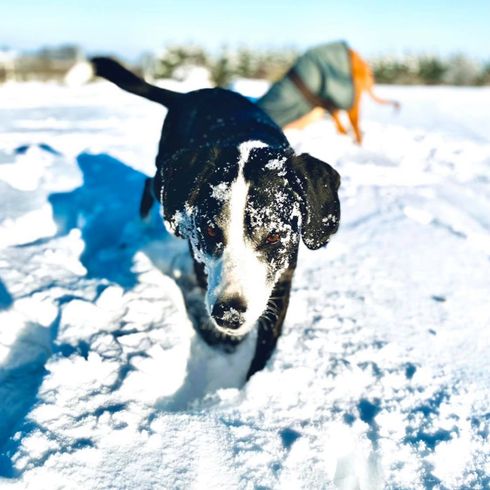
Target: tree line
[[228, 64], [271, 64]]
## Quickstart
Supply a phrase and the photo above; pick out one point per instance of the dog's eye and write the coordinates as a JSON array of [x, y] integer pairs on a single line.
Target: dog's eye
[[272, 238], [212, 231]]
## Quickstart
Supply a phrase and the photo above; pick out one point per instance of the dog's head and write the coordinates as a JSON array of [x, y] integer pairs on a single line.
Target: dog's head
[[244, 211]]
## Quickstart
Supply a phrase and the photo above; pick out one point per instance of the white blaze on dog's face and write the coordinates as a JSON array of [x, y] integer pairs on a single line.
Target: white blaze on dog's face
[[238, 279]]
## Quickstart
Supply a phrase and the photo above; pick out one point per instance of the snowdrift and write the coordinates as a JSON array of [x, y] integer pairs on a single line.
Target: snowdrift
[[380, 380]]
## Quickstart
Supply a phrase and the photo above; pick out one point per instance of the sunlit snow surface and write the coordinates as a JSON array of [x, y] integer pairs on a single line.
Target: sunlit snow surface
[[381, 378]]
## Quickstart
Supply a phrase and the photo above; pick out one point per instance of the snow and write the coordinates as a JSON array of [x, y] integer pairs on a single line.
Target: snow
[[250, 87], [220, 191], [381, 377]]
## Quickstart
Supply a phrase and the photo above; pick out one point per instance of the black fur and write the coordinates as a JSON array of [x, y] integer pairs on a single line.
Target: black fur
[[198, 150]]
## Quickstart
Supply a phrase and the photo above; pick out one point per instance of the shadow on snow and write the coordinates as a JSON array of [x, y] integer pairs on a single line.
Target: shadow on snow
[[105, 210], [5, 297]]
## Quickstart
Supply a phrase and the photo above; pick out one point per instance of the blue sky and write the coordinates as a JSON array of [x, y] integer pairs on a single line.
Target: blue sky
[[127, 27]]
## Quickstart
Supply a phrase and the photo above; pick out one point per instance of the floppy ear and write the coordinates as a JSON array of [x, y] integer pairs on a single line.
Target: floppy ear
[[316, 183], [177, 183]]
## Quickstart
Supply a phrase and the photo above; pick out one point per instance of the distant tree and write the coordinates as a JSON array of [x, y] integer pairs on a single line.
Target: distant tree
[[65, 52], [47, 63], [431, 70], [246, 63], [484, 76], [462, 71], [393, 71], [221, 69], [276, 63], [177, 56]]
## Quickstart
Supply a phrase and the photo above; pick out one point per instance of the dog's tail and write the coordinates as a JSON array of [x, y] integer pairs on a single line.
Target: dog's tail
[[379, 100], [363, 79], [114, 72]]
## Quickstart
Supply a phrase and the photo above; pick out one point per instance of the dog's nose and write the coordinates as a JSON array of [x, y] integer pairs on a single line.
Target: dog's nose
[[229, 313]]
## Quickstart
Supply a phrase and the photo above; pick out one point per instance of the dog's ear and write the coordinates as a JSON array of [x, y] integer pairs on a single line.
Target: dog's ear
[[316, 183], [177, 184]]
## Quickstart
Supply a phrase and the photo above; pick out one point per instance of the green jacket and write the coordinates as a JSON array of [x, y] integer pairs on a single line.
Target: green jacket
[[326, 73]]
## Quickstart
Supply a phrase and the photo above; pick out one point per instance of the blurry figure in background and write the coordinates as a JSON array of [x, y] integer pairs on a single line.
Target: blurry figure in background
[[330, 77]]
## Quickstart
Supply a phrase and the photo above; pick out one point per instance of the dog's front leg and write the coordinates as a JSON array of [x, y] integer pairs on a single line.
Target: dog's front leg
[[336, 119], [270, 323]]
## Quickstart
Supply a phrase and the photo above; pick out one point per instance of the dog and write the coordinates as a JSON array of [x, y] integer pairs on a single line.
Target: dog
[[328, 78], [231, 185]]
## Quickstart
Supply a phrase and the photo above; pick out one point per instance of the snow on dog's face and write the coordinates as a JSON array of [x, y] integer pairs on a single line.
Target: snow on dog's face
[[243, 210]]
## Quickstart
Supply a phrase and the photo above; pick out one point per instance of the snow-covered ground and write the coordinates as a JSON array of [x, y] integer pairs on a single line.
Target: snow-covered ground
[[382, 376]]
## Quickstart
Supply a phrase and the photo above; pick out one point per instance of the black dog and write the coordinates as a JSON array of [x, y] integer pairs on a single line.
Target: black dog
[[230, 183]]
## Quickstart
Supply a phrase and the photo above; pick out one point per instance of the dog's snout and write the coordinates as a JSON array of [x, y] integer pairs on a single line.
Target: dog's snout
[[229, 313]]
